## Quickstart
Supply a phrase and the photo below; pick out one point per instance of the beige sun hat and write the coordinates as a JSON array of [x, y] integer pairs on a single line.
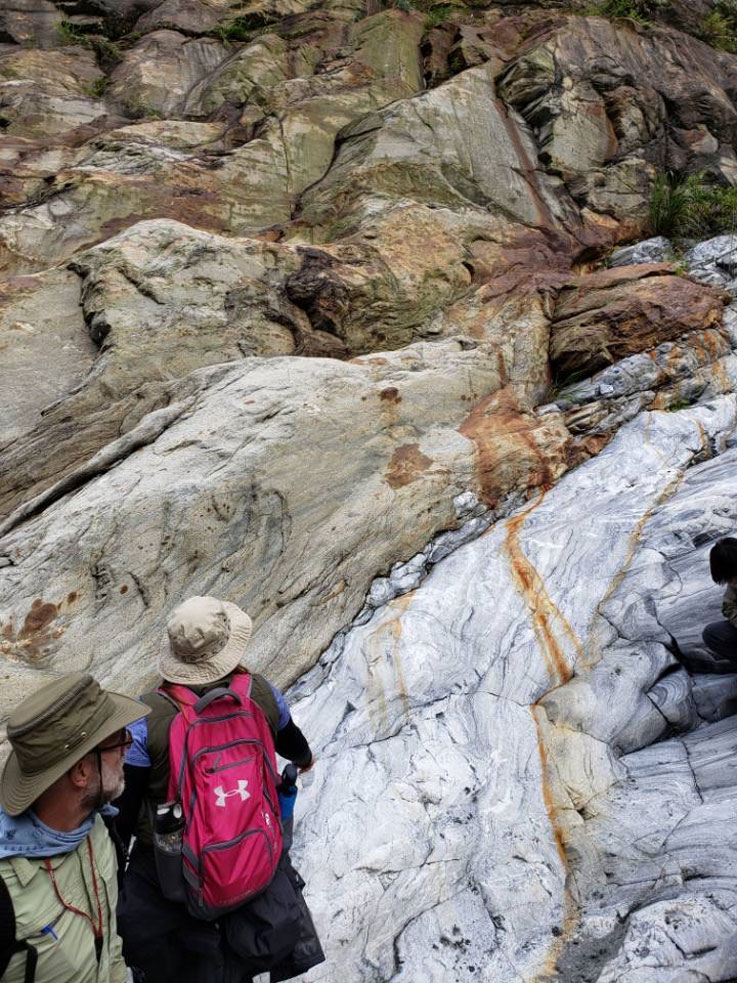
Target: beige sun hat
[[205, 639], [53, 729]]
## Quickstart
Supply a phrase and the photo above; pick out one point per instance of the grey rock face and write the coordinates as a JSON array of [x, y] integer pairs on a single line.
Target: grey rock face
[[715, 262], [657, 250], [487, 711]]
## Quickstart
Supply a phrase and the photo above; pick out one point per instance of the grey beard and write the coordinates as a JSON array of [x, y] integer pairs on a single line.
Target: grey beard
[[92, 798]]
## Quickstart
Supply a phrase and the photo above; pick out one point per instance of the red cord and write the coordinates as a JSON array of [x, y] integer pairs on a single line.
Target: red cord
[[96, 929]]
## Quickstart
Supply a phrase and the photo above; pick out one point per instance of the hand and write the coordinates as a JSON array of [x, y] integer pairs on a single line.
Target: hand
[[308, 767]]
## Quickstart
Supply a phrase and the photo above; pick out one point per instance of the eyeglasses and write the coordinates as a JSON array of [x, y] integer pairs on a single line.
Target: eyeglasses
[[122, 739]]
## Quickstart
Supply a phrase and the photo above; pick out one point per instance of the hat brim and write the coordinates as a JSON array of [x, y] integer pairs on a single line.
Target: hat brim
[[210, 670], [19, 790]]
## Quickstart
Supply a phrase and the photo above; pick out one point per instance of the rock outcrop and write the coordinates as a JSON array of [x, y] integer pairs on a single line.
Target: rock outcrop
[[349, 316]]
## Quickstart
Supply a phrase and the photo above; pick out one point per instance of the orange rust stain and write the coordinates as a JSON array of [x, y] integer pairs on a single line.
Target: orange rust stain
[[39, 617], [337, 590], [376, 694], [593, 646], [583, 448], [544, 613], [548, 797], [501, 434], [570, 910], [401, 605], [406, 465]]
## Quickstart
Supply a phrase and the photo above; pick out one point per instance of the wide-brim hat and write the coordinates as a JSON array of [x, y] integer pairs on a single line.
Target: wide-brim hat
[[205, 639], [53, 729]]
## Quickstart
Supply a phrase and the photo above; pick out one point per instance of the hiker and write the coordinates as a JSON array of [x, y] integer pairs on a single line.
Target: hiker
[[199, 660], [58, 878], [720, 637]]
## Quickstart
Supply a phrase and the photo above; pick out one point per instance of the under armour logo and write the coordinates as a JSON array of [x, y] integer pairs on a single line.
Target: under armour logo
[[242, 790]]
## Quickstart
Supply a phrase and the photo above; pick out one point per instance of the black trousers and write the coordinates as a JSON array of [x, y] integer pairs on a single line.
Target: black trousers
[[162, 939], [720, 637]]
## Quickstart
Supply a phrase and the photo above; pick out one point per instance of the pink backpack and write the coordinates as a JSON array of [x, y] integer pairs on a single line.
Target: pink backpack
[[223, 771]]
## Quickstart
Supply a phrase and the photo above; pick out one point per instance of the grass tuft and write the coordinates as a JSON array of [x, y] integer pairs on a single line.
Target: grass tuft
[[71, 34], [243, 28], [682, 207], [99, 87], [437, 16], [719, 27]]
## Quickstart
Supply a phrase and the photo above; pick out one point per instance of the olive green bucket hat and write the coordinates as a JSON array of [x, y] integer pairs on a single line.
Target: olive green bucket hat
[[53, 729]]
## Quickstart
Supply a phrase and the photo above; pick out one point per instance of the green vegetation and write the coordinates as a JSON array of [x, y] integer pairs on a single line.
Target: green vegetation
[[633, 10], [98, 88], [243, 28], [109, 53], [72, 34], [639, 12], [136, 108], [676, 405], [438, 15], [719, 27], [691, 206]]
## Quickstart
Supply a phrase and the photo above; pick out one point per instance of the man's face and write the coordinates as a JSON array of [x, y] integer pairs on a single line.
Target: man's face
[[112, 755]]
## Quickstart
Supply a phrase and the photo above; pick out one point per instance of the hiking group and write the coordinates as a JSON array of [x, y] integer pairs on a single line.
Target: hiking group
[[151, 836]]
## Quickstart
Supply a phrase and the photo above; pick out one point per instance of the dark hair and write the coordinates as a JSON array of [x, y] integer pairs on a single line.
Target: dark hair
[[723, 560]]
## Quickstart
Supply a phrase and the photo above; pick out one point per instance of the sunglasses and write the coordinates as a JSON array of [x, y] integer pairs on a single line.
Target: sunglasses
[[121, 739]]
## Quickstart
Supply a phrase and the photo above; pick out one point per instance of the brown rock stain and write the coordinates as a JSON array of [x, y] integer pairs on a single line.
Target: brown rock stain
[[528, 167], [36, 635], [40, 616], [390, 395], [406, 465], [544, 613]]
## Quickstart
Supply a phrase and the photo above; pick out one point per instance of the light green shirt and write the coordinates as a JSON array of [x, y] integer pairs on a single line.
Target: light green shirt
[[70, 956]]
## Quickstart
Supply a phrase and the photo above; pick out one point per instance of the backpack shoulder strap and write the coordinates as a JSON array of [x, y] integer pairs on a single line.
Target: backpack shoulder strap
[[180, 697], [166, 695], [241, 683], [9, 945]]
